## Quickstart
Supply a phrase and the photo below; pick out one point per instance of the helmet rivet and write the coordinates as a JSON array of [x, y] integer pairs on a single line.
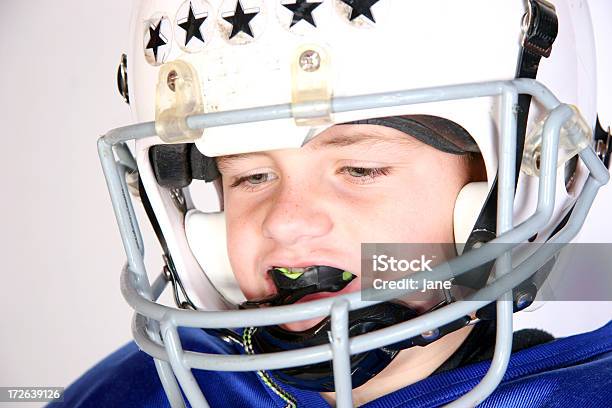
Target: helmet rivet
[[310, 60], [172, 77], [523, 300], [430, 335]]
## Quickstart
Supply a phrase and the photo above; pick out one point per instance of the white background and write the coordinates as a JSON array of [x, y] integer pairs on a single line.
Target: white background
[[61, 309]]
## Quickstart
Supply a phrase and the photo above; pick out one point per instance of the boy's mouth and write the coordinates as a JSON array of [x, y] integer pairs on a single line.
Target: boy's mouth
[[295, 273], [333, 286], [304, 283]]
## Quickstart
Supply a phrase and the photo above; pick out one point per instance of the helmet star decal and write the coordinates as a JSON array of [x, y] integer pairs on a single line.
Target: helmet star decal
[[240, 21], [302, 10], [361, 8], [157, 40], [192, 26]]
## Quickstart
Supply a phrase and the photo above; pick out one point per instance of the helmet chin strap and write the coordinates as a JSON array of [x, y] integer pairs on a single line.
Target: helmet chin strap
[[293, 286]]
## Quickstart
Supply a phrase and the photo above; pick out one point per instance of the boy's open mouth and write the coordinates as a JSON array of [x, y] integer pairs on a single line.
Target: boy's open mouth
[[302, 284]]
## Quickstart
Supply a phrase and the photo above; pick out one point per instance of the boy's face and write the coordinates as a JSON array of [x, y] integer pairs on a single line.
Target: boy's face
[[315, 205]]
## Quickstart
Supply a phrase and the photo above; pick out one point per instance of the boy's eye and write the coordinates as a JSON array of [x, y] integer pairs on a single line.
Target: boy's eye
[[364, 174], [252, 181], [357, 175], [359, 171], [257, 178]]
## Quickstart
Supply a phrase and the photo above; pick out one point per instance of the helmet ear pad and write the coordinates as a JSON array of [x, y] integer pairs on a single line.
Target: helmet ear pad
[[468, 205], [207, 239]]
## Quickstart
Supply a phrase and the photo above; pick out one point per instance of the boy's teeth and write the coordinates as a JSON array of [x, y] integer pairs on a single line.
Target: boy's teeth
[[291, 273], [293, 270]]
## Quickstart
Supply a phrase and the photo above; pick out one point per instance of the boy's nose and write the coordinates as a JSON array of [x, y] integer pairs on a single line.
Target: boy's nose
[[295, 217]]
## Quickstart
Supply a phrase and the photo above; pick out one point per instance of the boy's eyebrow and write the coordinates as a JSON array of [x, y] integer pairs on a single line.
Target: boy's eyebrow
[[356, 137], [361, 137], [225, 162]]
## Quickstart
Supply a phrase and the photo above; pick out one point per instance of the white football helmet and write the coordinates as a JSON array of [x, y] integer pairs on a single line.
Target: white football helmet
[[209, 78]]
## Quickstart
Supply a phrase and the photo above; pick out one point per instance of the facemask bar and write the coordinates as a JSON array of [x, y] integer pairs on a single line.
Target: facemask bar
[[155, 326]]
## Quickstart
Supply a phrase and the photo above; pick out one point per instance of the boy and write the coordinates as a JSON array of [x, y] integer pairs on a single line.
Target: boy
[[317, 204], [300, 198]]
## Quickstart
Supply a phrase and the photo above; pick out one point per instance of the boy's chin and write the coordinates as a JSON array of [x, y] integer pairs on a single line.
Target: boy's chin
[[302, 325]]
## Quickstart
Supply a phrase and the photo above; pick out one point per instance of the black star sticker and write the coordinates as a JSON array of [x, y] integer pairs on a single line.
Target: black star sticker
[[156, 39], [361, 8], [240, 21], [192, 26], [302, 11]]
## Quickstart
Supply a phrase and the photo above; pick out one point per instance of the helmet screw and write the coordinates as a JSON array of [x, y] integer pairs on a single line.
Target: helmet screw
[[523, 300], [477, 245], [430, 335], [171, 80], [310, 61]]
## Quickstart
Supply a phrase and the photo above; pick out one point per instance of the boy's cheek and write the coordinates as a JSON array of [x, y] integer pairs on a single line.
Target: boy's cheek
[[241, 250], [251, 288]]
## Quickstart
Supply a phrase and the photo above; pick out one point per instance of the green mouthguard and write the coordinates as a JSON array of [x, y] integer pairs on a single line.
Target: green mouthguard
[[289, 274]]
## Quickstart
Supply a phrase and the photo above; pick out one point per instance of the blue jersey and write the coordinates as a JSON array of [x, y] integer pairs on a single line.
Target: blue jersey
[[569, 372]]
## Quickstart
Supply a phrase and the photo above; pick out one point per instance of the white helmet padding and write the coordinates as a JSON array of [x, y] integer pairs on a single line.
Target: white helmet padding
[[468, 205], [207, 237]]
